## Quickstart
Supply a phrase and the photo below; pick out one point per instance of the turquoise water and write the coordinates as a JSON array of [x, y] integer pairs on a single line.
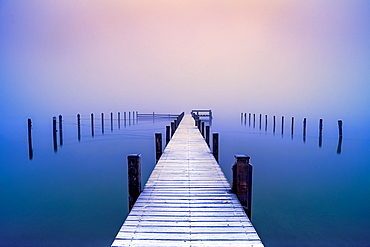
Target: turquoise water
[[303, 194]]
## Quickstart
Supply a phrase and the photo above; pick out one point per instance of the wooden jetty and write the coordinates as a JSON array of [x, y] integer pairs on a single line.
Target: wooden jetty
[[187, 200]]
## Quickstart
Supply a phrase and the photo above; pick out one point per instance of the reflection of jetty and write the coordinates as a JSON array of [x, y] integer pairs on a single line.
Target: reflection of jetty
[[187, 200]]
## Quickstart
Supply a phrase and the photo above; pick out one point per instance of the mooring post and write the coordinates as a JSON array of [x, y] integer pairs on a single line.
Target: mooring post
[[245, 118], [111, 121], [92, 124], [340, 127], [304, 129], [78, 127], [129, 117], [55, 134], [102, 123], [242, 182], [265, 122], [134, 178], [168, 134], [249, 119], [158, 146], [202, 131], [292, 127], [172, 129], [274, 127], [124, 118], [30, 150], [254, 120], [119, 120], [320, 132], [260, 121], [60, 130], [282, 125], [215, 145], [208, 129]]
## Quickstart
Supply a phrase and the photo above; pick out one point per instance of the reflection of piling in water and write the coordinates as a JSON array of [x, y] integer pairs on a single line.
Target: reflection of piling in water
[[260, 121], [274, 125], [119, 120], [304, 129], [92, 124], [282, 125], [320, 132], [168, 134], [265, 122], [78, 127], [215, 145], [292, 127], [55, 144], [102, 123], [60, 130], [158, 146], [30, 150]]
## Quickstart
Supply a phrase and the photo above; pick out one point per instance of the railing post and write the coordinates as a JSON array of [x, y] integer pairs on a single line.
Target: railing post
[[134, 178], [242, 182], [168, 134], [158, 146], [208, 129], [215, 145], [30, 150]]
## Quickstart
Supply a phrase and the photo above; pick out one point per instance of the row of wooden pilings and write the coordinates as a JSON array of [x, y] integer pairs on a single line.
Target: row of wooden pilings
[[134, 161]]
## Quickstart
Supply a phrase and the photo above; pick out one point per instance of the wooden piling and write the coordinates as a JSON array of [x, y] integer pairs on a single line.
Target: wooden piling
[[202, 130], [208, 130], [340, 127], [304, 129], [92, 124], [30, 149], [265, 122], [215, 137], [320, 132], [60, 130], [254, 120], [119, 120], [249, 119], [55, 134], [260, 121], [173, 129], [78, 127], [274, 126], [111, 121], [292, 127], [134, 178], [168, 134], [242, 182], [282, 125], [158, 146], [102, 123]]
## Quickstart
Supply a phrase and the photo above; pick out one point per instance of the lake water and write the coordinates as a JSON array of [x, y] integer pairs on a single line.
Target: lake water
[[303, 194]]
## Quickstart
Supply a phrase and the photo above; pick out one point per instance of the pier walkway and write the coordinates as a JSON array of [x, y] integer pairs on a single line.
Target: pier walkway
[[187, 200]]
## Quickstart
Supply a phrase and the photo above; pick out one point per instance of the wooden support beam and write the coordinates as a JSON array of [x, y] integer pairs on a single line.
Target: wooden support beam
[[134, 178]]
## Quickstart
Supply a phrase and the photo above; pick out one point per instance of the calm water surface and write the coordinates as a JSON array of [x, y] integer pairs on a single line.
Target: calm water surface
[[304, 195]]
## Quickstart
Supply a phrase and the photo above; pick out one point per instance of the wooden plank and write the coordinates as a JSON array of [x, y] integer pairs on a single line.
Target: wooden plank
[[187, 201]]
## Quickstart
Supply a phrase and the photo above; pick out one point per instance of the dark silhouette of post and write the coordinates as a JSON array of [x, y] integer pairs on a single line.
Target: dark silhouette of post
[[245, 118], [249, 119], [111, 121], [254, 120], [215, 145], [304, 129], [265, 122], [241, 117], [30, 149], [55, 142], [158, 146], [292, 127], [137, 116], [124, 118], [102, 123], [173, 129], [282, 125], [129, 118], [242, 182], [78, 127], [320, 132], [274, 126], [119, 120], [260, 121], [134, 178], [92, 124], [339, 148], [340, 127], [168, 134], [202, 130], [208, 129], [60, 130]]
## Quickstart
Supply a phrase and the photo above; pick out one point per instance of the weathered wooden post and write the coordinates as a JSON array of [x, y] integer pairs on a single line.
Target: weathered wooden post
[[78, 127], [282, 125], [134, 178], [55, 134], [208, 129], [102, 123], [129, 118], [60, 130], [320, 132], [339, 148], [265, 122], [292, 127], [274, 127], [124, 119], [30, 149], [242, 182], [202, 130], [173, 129], [168, 134], [175, 123], [158, 146], [254, 120], [111, 121], [249, 119], [119, 120], [92, 124], [260, 121], [215, 145], [304, 129], [340, 127]]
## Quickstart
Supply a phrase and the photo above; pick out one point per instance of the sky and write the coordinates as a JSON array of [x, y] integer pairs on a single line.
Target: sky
[[274, 57]]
